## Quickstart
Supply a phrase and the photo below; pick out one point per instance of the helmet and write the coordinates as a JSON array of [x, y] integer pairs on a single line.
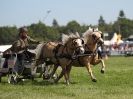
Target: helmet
[[23, 29]]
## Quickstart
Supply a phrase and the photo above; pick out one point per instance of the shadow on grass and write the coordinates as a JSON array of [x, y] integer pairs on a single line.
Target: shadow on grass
[[37, 82], [47, 83]]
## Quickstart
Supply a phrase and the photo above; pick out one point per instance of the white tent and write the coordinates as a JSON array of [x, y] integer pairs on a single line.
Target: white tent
[[4, 47], [115, 40]]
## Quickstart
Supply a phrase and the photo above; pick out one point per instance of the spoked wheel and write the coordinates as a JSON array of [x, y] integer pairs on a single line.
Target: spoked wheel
[[11, 79], [15, 73]]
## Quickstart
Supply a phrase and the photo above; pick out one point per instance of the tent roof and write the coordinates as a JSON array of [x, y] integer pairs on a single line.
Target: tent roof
[[4, 47]]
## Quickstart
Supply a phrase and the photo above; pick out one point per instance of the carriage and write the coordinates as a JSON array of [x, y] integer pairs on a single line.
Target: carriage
[[10, 66]]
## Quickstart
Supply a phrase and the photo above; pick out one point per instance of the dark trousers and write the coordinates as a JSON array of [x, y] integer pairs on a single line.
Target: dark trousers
[[99, 54], [29, 55]]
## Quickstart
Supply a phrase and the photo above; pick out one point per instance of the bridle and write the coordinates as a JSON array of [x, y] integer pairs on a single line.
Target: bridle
[[95, 39]]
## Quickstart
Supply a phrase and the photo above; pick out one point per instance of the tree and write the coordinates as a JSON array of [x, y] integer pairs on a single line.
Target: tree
[[55, 23], [38, 30], [53, 34], [73, 27], [8, 34], [101, 24], [101, 21], [126, 27], [121, 14]]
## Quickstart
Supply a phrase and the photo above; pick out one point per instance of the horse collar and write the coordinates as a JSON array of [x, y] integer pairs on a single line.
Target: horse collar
[[89, 51], [62, 55]]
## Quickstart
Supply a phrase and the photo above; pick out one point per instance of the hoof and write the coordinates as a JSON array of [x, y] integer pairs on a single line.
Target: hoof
[[102, 71], [67, 83], [94, 80], [46, 77]]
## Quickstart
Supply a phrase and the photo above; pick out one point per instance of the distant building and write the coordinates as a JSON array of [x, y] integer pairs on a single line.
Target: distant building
[[106, 36]]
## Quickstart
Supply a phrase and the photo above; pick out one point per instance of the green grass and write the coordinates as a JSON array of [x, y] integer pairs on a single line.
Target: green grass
[[116, 83]]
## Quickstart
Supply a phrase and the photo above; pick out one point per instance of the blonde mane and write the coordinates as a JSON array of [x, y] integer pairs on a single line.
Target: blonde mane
[[87, 33], [66, 38]]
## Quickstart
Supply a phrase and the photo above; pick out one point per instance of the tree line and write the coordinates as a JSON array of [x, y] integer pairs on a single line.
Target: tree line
[[42, 32]]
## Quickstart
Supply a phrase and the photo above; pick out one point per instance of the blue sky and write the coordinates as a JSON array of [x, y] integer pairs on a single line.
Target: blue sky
[[26, 12]]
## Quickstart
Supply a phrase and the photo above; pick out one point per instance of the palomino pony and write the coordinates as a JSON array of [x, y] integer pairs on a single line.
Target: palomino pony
[[60, 54], [92, 40]]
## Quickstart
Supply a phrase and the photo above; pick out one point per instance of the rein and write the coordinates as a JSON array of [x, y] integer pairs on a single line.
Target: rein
[[87, 53]]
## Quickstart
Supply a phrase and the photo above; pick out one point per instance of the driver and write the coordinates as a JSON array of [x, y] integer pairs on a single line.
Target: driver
[[20, 46], [23, 41]]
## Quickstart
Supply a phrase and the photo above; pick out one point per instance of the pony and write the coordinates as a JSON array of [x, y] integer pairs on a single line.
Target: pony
[[92, 38], [60, 54]]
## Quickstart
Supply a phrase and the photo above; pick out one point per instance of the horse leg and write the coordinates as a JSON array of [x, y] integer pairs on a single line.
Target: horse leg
[[33, 70], [61, 75], [90, 72], [66, 78], [97, 61], [103, 66], [67, 74], [68, 69], [53, 72]]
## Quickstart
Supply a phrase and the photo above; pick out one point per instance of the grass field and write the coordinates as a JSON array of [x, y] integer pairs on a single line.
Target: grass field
[[116, 83]]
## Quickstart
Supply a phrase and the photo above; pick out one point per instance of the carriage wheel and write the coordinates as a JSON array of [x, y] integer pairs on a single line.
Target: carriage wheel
[[13, 79]]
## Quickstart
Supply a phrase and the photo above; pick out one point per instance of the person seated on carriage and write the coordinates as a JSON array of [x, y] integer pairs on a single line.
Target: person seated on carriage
[[20, 46]]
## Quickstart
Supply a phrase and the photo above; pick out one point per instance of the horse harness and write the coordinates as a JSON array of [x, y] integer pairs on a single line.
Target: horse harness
[[62, 55], [95, 39], [87, 53]]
